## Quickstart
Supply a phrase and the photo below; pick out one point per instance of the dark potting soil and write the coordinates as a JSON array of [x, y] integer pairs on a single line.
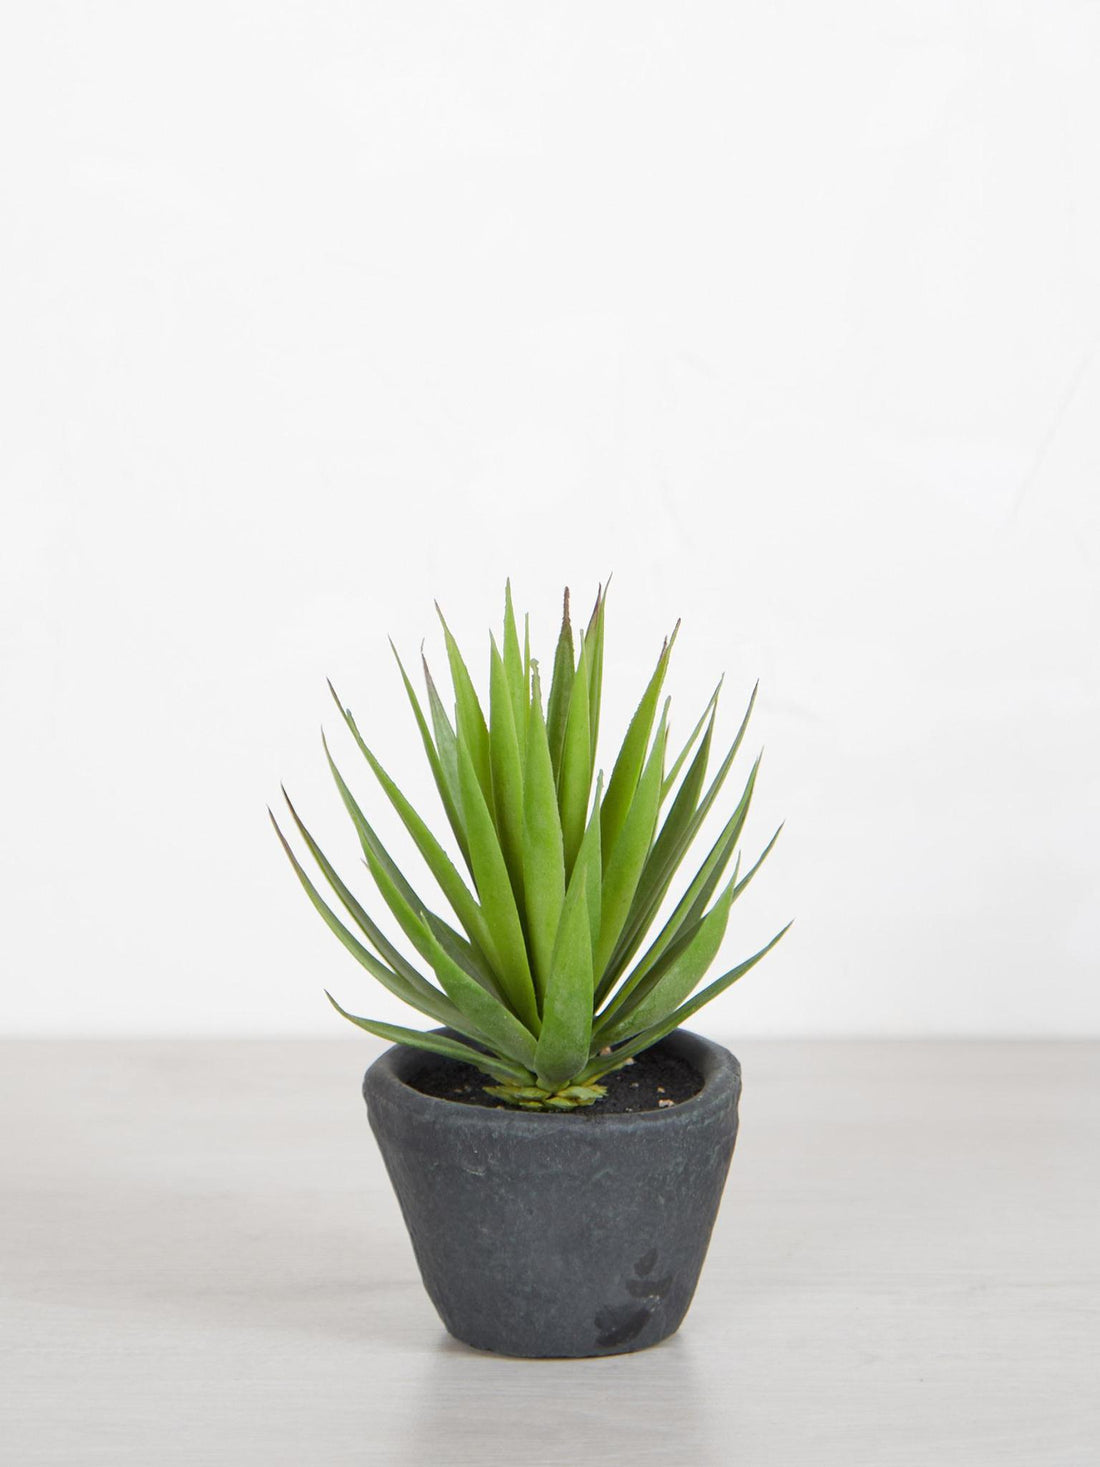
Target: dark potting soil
[[653, 1080]]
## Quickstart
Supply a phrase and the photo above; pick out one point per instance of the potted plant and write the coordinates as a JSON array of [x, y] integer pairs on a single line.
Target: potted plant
[[558, 1144]]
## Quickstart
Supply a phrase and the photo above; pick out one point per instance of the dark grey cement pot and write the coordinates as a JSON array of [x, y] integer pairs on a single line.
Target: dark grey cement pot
[[551, 1235]]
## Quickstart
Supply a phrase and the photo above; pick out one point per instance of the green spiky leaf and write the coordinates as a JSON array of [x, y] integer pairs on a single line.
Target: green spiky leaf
[[470, 726], [567, 1015], [439, 863], [543, 849], [516, 673], [498, 902], [575, 771], [561, 687], [624, 866], [492, 1065], [631, 756], [427, 1000], [443, 781], [669, 982], [506, 761], [604, 1064]]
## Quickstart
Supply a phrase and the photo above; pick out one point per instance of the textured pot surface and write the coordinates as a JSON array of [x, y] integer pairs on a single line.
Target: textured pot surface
[[547, 1235]]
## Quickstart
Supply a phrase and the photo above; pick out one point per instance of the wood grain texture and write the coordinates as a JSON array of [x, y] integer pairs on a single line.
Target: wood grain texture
[[202, 1262]]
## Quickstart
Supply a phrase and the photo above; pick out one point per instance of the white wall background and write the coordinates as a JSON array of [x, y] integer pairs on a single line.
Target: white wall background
[[788, 313]]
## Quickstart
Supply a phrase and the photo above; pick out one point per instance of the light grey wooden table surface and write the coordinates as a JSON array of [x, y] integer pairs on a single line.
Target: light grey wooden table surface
[[202, 1262]]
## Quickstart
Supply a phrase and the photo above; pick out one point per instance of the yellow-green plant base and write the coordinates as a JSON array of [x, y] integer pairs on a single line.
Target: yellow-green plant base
[[536, 1097]]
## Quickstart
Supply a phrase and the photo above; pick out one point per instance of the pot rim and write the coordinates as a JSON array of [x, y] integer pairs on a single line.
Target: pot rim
[[386, 1079]]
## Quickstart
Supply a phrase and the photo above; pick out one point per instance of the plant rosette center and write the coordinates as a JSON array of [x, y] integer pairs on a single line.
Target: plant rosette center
[[540, 1097]]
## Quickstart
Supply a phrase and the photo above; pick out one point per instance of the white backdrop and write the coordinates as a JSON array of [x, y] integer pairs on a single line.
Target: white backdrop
[[788, 314]]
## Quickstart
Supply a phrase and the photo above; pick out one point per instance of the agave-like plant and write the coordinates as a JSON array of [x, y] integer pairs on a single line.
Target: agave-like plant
[[541, 975]]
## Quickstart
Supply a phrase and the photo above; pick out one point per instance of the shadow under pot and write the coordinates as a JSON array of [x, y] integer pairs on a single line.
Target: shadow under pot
[[548, 1234]]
